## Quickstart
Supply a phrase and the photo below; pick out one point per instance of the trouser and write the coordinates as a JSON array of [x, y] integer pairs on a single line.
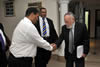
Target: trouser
[[19, 62], [3, 59], [72, 59], [42, 58]]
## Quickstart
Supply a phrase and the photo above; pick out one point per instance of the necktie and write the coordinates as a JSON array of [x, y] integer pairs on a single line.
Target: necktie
[[71, 41], [44, 28], [2, 42]]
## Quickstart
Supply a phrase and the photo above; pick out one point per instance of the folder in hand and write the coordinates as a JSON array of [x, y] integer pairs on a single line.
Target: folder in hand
[[79, 51]]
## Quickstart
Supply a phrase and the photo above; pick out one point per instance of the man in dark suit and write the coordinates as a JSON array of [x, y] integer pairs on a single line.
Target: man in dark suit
[[4, 46], [74, 34], [46, 29]]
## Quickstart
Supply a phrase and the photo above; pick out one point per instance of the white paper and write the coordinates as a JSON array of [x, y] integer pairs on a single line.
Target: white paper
[[79, 51]]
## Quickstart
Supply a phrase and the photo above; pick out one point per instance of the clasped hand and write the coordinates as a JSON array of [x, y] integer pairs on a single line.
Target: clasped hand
[[54, 46]]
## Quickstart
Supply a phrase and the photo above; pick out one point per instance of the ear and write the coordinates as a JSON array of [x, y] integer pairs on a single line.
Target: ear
[[32, 14]]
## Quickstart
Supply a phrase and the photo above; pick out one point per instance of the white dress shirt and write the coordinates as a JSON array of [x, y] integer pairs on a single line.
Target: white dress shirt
[[26, 39], [41, 26]]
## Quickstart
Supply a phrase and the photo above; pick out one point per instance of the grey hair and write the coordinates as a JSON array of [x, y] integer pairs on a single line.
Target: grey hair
[[70, 13]]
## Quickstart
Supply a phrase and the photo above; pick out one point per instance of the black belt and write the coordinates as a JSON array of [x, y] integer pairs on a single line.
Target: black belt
[[11, 55]]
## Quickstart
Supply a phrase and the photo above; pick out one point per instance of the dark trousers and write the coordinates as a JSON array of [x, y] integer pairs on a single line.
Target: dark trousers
[[3, 59], [71, 59], [19, 62], [42, 58], [3, 64]]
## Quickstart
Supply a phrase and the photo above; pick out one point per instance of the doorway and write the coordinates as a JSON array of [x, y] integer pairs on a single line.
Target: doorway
[[97, 24], [87, 20]]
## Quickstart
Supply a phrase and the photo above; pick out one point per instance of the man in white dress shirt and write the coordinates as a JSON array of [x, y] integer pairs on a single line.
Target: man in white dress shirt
[[25, 41]]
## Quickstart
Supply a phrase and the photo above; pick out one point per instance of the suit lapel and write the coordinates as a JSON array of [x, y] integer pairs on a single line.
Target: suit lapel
[[75, 32], [50, 26], [38, 26], [49, 23], [66, 34]]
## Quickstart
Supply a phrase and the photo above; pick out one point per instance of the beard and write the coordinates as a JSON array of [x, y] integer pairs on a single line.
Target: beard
[[68, 27]]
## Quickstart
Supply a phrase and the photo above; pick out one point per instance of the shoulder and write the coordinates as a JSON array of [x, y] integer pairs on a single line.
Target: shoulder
[[1, 25], [50, 22], [80, 24], [31, 28], [64, 27], [48, 19]]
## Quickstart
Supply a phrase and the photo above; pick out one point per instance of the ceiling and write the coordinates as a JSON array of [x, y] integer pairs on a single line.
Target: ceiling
[[92, 3], [89, 1]]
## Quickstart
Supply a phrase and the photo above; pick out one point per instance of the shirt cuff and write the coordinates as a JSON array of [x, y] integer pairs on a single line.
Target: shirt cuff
[[51, 48]]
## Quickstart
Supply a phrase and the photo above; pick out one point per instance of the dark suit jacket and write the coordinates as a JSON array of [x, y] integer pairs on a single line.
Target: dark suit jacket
[[80, 38], [53, 35], [7, 39], [42, 54], [3, 59]]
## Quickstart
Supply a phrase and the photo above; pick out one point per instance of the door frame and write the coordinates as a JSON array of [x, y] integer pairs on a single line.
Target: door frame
[[88, 20], [95, 22]]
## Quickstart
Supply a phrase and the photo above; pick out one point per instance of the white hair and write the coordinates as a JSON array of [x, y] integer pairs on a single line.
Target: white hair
[[70, 14]]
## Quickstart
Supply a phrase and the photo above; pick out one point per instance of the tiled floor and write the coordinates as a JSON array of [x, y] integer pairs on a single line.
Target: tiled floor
[[92, 60]]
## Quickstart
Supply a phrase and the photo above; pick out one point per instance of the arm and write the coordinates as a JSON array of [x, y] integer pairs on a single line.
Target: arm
[[60, 39], [37, 39], [1, 27], [85, 40], [8, 42], [53, 33]]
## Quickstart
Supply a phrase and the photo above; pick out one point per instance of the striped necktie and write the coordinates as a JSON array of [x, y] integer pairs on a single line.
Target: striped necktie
[[44, 27], [2, 42]]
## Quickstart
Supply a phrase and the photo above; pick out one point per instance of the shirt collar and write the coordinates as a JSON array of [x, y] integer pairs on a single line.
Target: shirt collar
[[73, 25], [42, 18], [28, 20]]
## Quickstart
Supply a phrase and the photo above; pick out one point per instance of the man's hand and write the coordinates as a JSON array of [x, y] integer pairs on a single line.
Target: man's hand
[[84, 55], [54, 46]]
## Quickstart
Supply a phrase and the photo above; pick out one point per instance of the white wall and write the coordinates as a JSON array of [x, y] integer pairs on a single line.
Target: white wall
[[20, 7], [92, 24], [52, 11], [10, 22]]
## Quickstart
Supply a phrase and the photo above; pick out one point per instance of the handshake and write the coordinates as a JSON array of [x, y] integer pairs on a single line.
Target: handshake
[[54, 46]]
